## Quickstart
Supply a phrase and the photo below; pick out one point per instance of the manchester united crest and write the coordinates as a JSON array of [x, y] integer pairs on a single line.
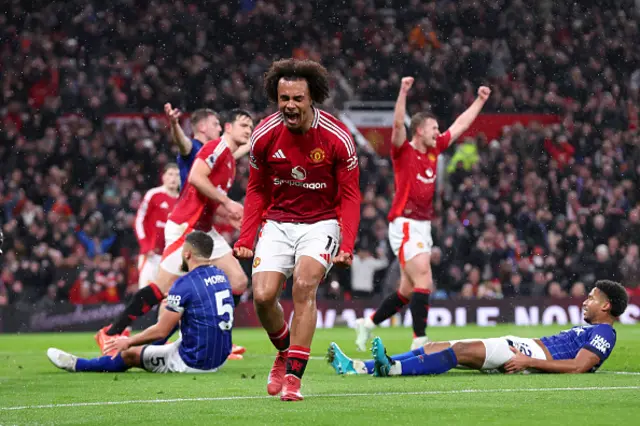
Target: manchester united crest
[[432, 156], [317, 155], [256, 262]]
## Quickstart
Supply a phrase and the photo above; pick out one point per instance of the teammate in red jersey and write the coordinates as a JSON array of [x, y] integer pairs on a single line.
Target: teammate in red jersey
[[150, 222], [304, 181], [204, 196], [415, 164]]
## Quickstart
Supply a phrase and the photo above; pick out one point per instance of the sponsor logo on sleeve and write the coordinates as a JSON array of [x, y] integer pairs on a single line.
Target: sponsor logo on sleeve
[[600, 343]]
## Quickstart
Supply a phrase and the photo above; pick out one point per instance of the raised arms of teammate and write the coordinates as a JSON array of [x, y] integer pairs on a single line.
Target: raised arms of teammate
[[167, 322], [582, 363], [177, 134], [399, 132], [464, 121], [199, 178]]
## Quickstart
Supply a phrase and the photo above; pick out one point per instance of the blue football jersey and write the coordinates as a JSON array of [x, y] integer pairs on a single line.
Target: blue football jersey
[[186, 161], [599, 339], [204, 298]]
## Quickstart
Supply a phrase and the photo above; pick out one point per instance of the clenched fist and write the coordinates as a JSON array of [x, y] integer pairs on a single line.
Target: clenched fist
[[484, 92], [406, 84]]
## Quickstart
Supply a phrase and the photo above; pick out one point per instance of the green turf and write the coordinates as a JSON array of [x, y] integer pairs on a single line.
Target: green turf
[[28, 379]]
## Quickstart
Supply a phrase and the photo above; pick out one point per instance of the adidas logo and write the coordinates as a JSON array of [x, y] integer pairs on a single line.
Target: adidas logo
[[164, 205], [279, 154]]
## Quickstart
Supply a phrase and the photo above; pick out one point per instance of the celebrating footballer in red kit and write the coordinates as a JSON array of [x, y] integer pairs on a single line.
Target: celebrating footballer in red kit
[[304, 191], [415, 164]]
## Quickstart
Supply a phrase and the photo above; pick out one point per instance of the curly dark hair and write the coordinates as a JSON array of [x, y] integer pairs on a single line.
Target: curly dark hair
[[316, 75], [616, 294]]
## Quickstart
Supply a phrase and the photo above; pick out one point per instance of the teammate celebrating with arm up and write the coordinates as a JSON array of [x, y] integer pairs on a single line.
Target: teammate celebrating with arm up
[[304, 180], [206, 127], [209, 180], [415, 164]]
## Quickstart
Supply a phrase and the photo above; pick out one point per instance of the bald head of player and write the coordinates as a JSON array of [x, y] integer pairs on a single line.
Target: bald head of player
[[424, 129], [607, 301], [296, 85], [196, 250]]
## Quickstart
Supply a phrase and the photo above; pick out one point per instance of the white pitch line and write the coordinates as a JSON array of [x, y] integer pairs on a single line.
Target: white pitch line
[[337, 395]]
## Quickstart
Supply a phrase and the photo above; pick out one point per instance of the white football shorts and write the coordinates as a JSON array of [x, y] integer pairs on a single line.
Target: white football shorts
[[166, 359], [175, 234], [408, 238], [281, 244]]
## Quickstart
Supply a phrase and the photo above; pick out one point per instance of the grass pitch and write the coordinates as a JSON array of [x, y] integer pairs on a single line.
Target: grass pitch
[[32, 391]]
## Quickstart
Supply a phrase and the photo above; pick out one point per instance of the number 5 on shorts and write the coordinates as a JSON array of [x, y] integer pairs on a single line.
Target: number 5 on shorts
[[224, 308]]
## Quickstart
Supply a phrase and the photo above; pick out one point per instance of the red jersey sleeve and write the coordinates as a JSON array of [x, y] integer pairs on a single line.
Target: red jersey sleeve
[[211, 152], [348, 176], [442, 142], [397, 151], [258, 190], [143, 227]]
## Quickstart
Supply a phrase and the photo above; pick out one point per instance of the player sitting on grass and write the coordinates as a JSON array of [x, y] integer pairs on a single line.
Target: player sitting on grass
[[200, 301], [581, 349]]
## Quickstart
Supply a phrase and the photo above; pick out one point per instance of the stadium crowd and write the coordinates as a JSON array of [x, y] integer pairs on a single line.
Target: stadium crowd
[[538, 211]]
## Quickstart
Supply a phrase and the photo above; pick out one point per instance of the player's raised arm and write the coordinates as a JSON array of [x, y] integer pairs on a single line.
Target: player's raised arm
[[177, 134], [350, 200], [199, 178], [399, 132], [464, 121]]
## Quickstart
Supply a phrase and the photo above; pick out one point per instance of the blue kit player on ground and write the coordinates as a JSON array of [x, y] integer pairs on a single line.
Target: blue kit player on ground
[[200, 302], [206, 127], [580, 349]]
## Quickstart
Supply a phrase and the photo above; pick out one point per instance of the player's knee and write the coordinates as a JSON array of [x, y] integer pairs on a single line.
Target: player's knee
[[263, 296], [130, 358], [463, 350], [304, 289]]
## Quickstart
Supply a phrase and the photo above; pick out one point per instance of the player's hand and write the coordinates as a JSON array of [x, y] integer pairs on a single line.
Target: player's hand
[[119, 344], [484, 92], [406, 84], [172, 114], [343, 259], [234, 209], [518, 363], [242, 253]]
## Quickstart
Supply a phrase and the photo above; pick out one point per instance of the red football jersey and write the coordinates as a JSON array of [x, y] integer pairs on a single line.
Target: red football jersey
[[303, 178], [415, 179], [195, 208], [151, 218]]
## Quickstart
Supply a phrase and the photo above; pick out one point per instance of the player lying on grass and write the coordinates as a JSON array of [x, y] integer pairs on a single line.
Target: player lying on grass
[[200, 302], [581, 349]]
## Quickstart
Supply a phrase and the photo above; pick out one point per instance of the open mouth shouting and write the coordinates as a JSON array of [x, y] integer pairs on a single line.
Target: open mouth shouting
[[292, 118]]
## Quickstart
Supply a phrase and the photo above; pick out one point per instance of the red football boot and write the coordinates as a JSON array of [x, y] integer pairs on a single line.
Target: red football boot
[[291, 389], [276, 375]]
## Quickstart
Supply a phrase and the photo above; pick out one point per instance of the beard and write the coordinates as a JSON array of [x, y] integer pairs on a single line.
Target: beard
[[184, 267]]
